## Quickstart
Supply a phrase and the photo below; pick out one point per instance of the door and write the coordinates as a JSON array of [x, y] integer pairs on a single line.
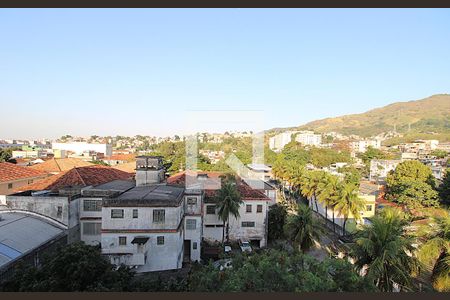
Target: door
[[187, 251]]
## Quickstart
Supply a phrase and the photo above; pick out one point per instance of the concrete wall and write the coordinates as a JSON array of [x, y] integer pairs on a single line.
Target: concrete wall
[[4, 190], [158, 257], [173, 216], [194, 235], [258, 232]]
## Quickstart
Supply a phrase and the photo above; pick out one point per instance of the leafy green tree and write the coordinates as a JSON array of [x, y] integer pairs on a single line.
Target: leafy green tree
[[5, 155], [439, 153], [276, 219], [302, 229], [349, 203], [435, 252], [279, 271], [384, 250], [444, 189], [75, 267], [99, 162], [412, 184], [310, 185], [228, 203]]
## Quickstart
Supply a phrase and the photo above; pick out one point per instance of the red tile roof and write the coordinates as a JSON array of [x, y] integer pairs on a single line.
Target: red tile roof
[[247, 193], [12, 172], [56, 165], [123, 157], [82, 176]]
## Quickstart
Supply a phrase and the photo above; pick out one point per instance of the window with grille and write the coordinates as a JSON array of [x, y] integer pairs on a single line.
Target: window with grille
[[248, 208], [122, 240], [159, 215], [92, 228], [160, 240], [10, 185], [211, 209], [248, 224], [194, 245], [192, 200], [135, 213], [59, 212], [92, 205], [259, 208], [191, 224], [369, 207], [117, 213]]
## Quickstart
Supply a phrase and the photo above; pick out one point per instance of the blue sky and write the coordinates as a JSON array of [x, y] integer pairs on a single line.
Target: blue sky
[[127, 71]]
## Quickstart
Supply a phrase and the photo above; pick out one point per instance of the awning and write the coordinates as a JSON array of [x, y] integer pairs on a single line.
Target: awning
[[139, 240]]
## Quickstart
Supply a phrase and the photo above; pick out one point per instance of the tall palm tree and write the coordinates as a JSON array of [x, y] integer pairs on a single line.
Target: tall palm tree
[[349, 203], [435, 252], [228, 203], [329, 194], [302, 229], [310, 184], [384, 250]]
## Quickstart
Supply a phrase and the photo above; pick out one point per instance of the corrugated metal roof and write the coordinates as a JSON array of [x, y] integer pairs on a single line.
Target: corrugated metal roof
[[21, 233]]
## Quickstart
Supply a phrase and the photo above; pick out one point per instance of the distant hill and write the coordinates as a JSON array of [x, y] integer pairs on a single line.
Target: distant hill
[[427, 116]]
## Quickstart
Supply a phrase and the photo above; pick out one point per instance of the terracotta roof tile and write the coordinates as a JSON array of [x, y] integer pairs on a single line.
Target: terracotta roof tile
[[56, 165], [247, 193], [11, 172], [82, 176], [129, 167]]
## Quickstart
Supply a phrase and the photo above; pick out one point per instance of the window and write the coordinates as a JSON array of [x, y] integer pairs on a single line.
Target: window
[[369, 207], [210, 209], [135, 213], [160, 240], [248, 224], [92, 205], [122, 240], [259, 208], [92, 228], [210, 226], [59, 212], [159, 215], [248, 208], [191, 224], [194, 245], [116, 213], [9, 186], [192, 200], [30, 181]]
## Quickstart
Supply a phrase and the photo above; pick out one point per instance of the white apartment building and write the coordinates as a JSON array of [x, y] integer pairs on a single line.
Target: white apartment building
[[309, 138], [362, 145], [380, 168], [277, 142], [83, 147]]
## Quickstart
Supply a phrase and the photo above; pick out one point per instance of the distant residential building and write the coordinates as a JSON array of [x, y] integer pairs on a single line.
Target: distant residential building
[[81, 147], [309, 138], [261, 171], [27, 153], [213, 156], [380, 168], [117, 159], [409, 156], [362, 145], [13, 176], [444, 147], [277, 142]]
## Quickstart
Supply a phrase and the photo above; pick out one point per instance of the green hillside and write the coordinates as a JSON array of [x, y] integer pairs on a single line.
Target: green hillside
[[429, 116]]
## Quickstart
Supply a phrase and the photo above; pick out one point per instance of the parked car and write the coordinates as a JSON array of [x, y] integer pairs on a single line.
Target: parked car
[[223, 264], [245, 245]]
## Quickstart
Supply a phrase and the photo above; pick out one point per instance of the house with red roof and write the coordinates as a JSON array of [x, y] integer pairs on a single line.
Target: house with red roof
[[13, 176]]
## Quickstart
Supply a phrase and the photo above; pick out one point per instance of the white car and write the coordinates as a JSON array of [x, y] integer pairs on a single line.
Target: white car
[[245, 246], [223, 264]]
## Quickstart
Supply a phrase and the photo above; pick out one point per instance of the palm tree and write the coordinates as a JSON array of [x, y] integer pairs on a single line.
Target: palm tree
[[310, 184], [349, 203], [228, 203], [384, 250], [329, 194], [302, 229], [435, 252]]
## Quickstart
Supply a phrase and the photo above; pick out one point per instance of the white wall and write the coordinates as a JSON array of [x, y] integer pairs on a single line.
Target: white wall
[[80, 147]]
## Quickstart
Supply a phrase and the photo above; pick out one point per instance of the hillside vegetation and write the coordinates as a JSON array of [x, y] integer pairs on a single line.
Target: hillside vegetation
[[429, 116]]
